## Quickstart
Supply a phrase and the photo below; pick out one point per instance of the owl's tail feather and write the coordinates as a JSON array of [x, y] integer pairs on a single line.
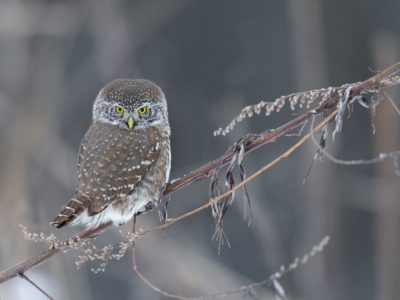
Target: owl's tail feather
[[69, 213]]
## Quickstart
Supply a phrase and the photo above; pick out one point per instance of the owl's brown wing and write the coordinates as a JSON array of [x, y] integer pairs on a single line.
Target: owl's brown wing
[[112, 162]]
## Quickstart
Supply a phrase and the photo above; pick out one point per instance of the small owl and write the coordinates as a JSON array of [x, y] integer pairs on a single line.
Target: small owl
[[124, 158]]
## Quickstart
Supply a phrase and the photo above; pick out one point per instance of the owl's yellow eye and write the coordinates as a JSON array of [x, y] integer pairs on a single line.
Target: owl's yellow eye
[[142, 110], [119, 110]]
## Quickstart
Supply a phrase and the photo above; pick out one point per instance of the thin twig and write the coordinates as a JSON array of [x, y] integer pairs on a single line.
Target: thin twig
[[144, 278], [374, 83], [283, 270], [22, 275], [381, 157], [395, 107]]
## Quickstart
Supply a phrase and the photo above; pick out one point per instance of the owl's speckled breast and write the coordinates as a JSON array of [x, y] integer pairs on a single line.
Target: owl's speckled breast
[[150, 188]]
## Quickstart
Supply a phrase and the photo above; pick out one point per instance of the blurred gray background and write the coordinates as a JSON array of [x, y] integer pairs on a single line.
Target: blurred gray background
[[211, 58]]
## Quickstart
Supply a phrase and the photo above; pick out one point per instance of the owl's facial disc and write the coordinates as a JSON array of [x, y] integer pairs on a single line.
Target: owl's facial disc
[[131, 105]]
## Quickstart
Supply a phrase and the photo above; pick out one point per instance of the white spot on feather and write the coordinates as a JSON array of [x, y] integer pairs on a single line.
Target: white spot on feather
[[146, 162]]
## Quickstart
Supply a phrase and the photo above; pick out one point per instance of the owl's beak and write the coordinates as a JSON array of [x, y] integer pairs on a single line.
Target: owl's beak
[[131, 122]]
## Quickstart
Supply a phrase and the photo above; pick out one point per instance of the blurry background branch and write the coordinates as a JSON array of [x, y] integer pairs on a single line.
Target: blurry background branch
[[249, 142]]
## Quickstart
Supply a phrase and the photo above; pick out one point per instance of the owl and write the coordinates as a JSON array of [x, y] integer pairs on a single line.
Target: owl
[[124, 158]]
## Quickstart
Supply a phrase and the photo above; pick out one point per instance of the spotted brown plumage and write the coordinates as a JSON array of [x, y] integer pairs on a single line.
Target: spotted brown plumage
[[121, 170]]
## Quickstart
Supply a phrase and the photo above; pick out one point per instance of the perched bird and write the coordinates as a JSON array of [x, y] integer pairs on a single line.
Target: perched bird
[[124, 158]]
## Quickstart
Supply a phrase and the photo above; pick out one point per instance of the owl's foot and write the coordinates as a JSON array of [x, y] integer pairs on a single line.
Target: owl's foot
[[162, 206]]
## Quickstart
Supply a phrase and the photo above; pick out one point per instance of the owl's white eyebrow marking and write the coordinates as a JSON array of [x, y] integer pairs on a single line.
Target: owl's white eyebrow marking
[[86, 196], [77, 201]]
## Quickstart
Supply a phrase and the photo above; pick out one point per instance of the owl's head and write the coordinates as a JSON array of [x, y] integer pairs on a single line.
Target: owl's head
[[131, 104]]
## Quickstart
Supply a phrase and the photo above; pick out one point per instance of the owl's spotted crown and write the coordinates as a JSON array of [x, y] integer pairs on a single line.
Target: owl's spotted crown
[[131, 91]]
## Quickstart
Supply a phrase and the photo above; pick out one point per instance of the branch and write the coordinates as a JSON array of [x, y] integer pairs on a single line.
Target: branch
[[245, 181], [31, 262], [22, 275], [267, 136], [376, 82]]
